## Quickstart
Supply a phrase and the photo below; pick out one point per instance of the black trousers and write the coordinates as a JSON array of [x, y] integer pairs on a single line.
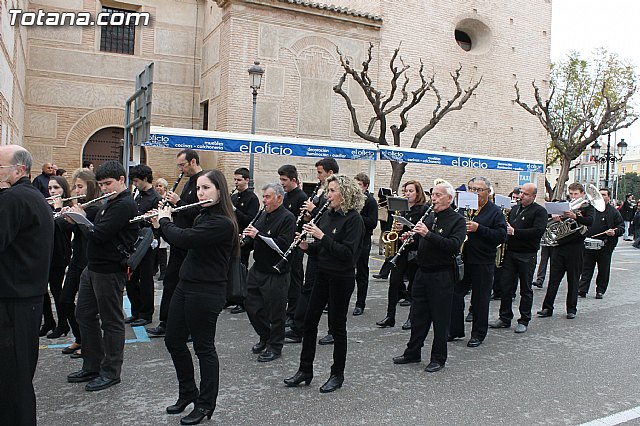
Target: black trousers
[[56, 277], [591, 258], [396, 282], [337, 291], [19, 328], [68, 300], [497, 282], [194, 310], [517, 266], [171, 278], [295, 283], [480, 279], [305, 293], [266, 305], [566, 258], [431, 304], [161, 260], [362, 272], [140, 289], [101, 294]]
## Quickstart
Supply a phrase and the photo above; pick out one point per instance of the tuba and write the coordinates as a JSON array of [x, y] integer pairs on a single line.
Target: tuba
[[390, 239], [558, 230]]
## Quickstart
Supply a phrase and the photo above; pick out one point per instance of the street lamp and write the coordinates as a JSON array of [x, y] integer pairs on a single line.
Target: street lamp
[[255, 74], [608, 158]]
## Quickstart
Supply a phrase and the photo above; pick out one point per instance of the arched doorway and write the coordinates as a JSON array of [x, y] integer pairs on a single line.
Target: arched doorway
[[106, 144]]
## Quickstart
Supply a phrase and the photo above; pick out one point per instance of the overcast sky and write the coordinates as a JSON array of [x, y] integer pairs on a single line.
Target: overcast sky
[[584, 25]]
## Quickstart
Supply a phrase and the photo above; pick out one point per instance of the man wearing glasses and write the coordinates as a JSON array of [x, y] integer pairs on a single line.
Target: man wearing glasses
[[486, 229], [26, 243], [188, 161]]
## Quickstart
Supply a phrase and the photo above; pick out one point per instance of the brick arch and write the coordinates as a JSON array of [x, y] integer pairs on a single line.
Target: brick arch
[[90, 123], [308, 41]]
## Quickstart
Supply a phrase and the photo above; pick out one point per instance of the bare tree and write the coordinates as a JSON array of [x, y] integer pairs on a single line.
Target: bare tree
[[586, 101], [399, 100]]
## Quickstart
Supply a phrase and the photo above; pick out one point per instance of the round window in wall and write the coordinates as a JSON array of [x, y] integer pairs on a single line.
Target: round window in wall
[[473, 36]]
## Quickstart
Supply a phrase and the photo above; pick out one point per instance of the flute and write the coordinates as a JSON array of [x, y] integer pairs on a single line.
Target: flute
[[243, 239], [409, 239], [173, 188], [76, 197], [304, 212], [95, 200], [296, 242], [146, 216]]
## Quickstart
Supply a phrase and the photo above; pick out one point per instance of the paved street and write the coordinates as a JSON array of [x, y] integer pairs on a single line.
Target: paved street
[[559, 372]]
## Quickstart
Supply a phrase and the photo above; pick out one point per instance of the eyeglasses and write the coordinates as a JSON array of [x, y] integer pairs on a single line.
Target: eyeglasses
[[479, 189]]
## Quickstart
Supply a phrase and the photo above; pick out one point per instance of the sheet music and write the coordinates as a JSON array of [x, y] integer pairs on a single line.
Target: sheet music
[[79, 219], [557, 207], [503, 201], [403, 221], [467, 200], [271, 244]]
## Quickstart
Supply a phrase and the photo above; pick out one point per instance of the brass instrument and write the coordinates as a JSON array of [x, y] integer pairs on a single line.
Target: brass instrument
[[409, 239], [469, 215], [146, 216], [243, 238], [390, 239], [502, 248], [173, 188]]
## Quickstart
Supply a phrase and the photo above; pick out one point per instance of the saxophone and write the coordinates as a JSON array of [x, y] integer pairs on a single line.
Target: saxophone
[[390, 238], [502, 248]]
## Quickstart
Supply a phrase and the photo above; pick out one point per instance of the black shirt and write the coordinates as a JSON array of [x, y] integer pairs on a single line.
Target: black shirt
[[247, 206], [26, 241], [437, 249], [610, 218], [278, 225], [209, 243], [369, 213], [338, 250], [480, 248], [529, 224], [111, 229], [189, 195]]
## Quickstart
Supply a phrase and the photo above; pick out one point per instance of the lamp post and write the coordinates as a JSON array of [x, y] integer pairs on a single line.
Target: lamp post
[[608, 158], [255, 74]]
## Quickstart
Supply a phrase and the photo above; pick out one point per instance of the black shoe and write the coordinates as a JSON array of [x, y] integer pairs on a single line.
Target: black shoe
[[100, 383], [259, 347], [407, 325], [58, 332], [403, 359], [386, 322], [298, 378], [469, 317], [536, 284], [158, 331], [268, 356], [326, 340], [474, 342], [180, 405], [380, 277], [238, 309], [46, 328], [81, 376], [129, 320], [499, 323], [599, 295], [196, 416], [334, 383], [544, 313], [69, 350], [161, 277], [76, 354], [292, 337], [405, 302], [433, 367], [452, 337], [571, 315], [582, 294], [358, 311], [140, 322]]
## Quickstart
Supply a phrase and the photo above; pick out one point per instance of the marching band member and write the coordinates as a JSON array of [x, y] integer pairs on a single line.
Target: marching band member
[[439, 240], [338, 239], [200, 294], [525, 227], [486, 230], [266, 301], [567, 257], [369, 214], [161, 186]]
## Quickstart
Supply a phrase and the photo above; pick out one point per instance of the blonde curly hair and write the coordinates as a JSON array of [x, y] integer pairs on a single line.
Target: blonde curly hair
[[352, 196]]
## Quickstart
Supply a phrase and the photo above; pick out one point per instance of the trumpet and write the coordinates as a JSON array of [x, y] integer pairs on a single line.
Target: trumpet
[[173, 188], [312, 198], [296, 242], [148, 215], [53, 199], [243, 238], [409, 239]]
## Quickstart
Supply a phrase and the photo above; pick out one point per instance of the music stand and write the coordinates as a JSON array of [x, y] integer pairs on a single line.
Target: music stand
[[398, 204]]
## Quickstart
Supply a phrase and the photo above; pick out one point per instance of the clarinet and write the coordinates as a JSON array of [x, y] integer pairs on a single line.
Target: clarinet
[[243, 238], [296, 242], [173, 188], [304, 212], [409, 239]]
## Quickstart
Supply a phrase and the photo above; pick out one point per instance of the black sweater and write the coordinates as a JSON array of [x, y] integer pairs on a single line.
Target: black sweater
[[338, 250], [529, 224], [480, 248], [278, 225], [26, 241], [437, 249], [111, 229], [294, 200], [209, 243], [79, 242], [369, 214], [610, 218], [247, 206]]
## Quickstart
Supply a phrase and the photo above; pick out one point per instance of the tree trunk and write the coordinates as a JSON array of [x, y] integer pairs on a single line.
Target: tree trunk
[[565, 165], [548, 189], [397, 171]]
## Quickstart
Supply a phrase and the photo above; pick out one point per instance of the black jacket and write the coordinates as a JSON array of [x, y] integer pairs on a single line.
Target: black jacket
[[189, 195], [61, 243], [79, 242], [480, 248], [529, 224], [278, 225], [293, 201], [627, 211], [369, 214], [41, 183], [112, 229], [437, 249], [26, 241], [610, 218], [209, 243], [147, 200], [247, 206], [339, 249]]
